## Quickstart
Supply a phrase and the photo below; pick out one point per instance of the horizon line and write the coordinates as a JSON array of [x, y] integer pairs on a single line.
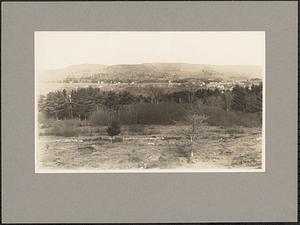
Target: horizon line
[[204, 64]]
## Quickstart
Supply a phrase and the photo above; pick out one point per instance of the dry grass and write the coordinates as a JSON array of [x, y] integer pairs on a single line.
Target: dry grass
[[216, 147]]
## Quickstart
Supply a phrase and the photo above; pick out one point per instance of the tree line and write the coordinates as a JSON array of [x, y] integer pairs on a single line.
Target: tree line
[[83, 102]]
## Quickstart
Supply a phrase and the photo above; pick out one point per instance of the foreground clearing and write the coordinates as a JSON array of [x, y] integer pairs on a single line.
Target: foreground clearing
[[217, 148]]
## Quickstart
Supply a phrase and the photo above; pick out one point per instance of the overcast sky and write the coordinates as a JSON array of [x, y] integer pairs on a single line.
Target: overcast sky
[[55, 50]]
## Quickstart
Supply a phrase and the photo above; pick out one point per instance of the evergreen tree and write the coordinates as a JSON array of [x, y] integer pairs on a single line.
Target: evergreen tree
[[114, 129], [239, 98], [83, 103]]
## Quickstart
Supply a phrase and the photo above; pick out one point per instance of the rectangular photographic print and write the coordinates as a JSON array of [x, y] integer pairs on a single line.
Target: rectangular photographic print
[[118, 101]]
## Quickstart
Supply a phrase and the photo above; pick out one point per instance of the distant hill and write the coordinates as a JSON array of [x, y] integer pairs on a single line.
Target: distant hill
[[70, 71], [154, 71]]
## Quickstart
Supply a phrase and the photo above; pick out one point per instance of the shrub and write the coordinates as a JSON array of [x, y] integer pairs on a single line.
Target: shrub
[[235, 130], [66, 128], [114, 129], [137, 129], [162, 113], [140, 113], [168, 113], [220, 117]]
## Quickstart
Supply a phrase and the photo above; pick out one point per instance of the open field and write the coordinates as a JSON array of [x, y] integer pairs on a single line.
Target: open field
[[152, 147]]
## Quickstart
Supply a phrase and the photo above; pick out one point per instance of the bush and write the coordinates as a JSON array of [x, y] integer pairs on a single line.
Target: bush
[[118, 139], [235, 130], [114, 129], [162, 113], [168, 113], [136, 129], [140, 113], [66, 128], [220, 117]]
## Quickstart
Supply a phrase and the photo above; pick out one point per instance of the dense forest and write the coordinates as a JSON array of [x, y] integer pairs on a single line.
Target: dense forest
[[157, 107]]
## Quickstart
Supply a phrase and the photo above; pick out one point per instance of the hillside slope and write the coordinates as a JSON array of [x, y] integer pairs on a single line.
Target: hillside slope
[[153, 71]]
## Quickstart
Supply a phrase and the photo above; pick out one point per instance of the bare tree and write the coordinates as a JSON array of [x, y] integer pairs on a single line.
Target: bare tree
[[192, 132], [228, 99], [155, 93]]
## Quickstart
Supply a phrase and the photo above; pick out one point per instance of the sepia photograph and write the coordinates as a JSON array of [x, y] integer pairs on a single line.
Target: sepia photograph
[[149, 101], [149, 112]]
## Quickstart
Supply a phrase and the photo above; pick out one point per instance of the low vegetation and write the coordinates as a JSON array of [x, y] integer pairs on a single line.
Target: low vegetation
[[67, 128], [155, 130]]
